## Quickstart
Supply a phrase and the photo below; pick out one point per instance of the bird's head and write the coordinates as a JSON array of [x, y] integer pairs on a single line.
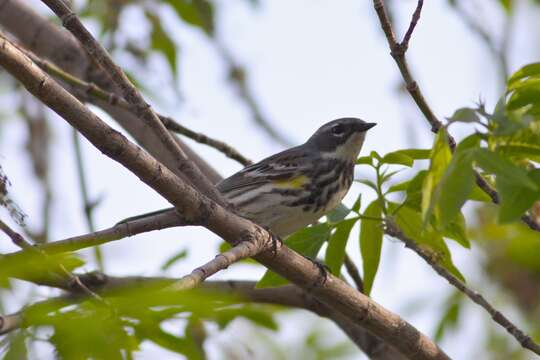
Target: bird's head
[[341, 138]]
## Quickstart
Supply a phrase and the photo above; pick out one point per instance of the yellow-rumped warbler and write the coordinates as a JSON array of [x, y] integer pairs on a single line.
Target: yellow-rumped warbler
[[294, 188]]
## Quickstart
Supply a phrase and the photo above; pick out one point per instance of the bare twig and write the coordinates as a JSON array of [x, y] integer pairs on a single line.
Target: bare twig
[[220, 262], [398, 53], [88, 206], [98, 93], [10, 322], [353, 272], [526, 341], [98, 53], [117, 232], [198, 209]]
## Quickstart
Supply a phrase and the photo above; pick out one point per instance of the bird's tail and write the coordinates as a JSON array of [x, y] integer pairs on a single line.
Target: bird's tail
[[143, 216]]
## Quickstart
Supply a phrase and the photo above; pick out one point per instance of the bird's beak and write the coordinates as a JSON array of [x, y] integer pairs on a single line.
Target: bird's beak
[[366, 126]]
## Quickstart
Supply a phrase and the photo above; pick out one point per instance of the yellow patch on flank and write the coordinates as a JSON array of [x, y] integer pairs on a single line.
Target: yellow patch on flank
[[293, 183]]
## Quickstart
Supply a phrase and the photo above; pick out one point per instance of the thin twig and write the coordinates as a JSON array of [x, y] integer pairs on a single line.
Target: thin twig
[[117, 232], [96, 92], [222, 261], [398, 53], [88, 206], [353, 272], [526, 341], [130, 93]]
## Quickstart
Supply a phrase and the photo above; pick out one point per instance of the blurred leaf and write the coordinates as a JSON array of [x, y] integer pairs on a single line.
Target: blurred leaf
[[526, 71], [307, 242], [367, 182], [335, 252], [257, 315], [507, 5], [16, 349], [397, 158], [161, 42], [365, 160], [440, 159], [450, 317], [199, 13], [456, 230], [356, 206], [152, 331], [371, 235], [464, 115], [503, 168], [411, 223], [174, 259], [516, 199], [375, 155]]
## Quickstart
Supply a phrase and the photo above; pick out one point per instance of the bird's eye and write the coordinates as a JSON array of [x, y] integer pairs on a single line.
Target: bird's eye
[[338, 130]]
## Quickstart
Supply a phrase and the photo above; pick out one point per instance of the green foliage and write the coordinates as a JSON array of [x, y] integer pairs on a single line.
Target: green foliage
[[174, 259], [450, 318], [307, 242], [161, 42], [371, 235], [335, 252]]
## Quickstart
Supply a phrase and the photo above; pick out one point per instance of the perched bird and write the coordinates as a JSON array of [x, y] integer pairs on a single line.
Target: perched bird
[[294, 188]]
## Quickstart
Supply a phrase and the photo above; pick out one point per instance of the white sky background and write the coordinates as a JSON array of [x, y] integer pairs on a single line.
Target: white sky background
[[308, 62]]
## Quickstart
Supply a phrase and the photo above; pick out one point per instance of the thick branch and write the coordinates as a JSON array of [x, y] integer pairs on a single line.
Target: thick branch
[[525, 340], [195, 208], [134, 98]]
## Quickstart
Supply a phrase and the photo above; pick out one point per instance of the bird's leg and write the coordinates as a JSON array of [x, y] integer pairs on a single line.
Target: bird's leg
[[275, 240], [324, 270]]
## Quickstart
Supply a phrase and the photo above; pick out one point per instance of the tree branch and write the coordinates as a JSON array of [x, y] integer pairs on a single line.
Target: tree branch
[[526, 341], [51, 42], [98, 93], [197, 209], [398, 53]]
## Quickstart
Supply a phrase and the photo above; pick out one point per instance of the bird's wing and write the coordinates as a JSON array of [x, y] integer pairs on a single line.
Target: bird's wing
[[279, 168]]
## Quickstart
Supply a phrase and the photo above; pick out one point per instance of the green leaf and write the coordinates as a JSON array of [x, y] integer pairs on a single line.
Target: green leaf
[[397, 158], [416, 154], [515, 199], [161, 42], [410, 222], [503, 168], [464, 115], [375, 155], [16, 348], [307, 242], [454, 187], [526, 71], [371, 235], [368, 160], [440, 159], [507, 5], [174, 259], [450, 316], [367, 182], [456, 231], [335, 252], [199, 13], [338, 214], [356, 206]]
